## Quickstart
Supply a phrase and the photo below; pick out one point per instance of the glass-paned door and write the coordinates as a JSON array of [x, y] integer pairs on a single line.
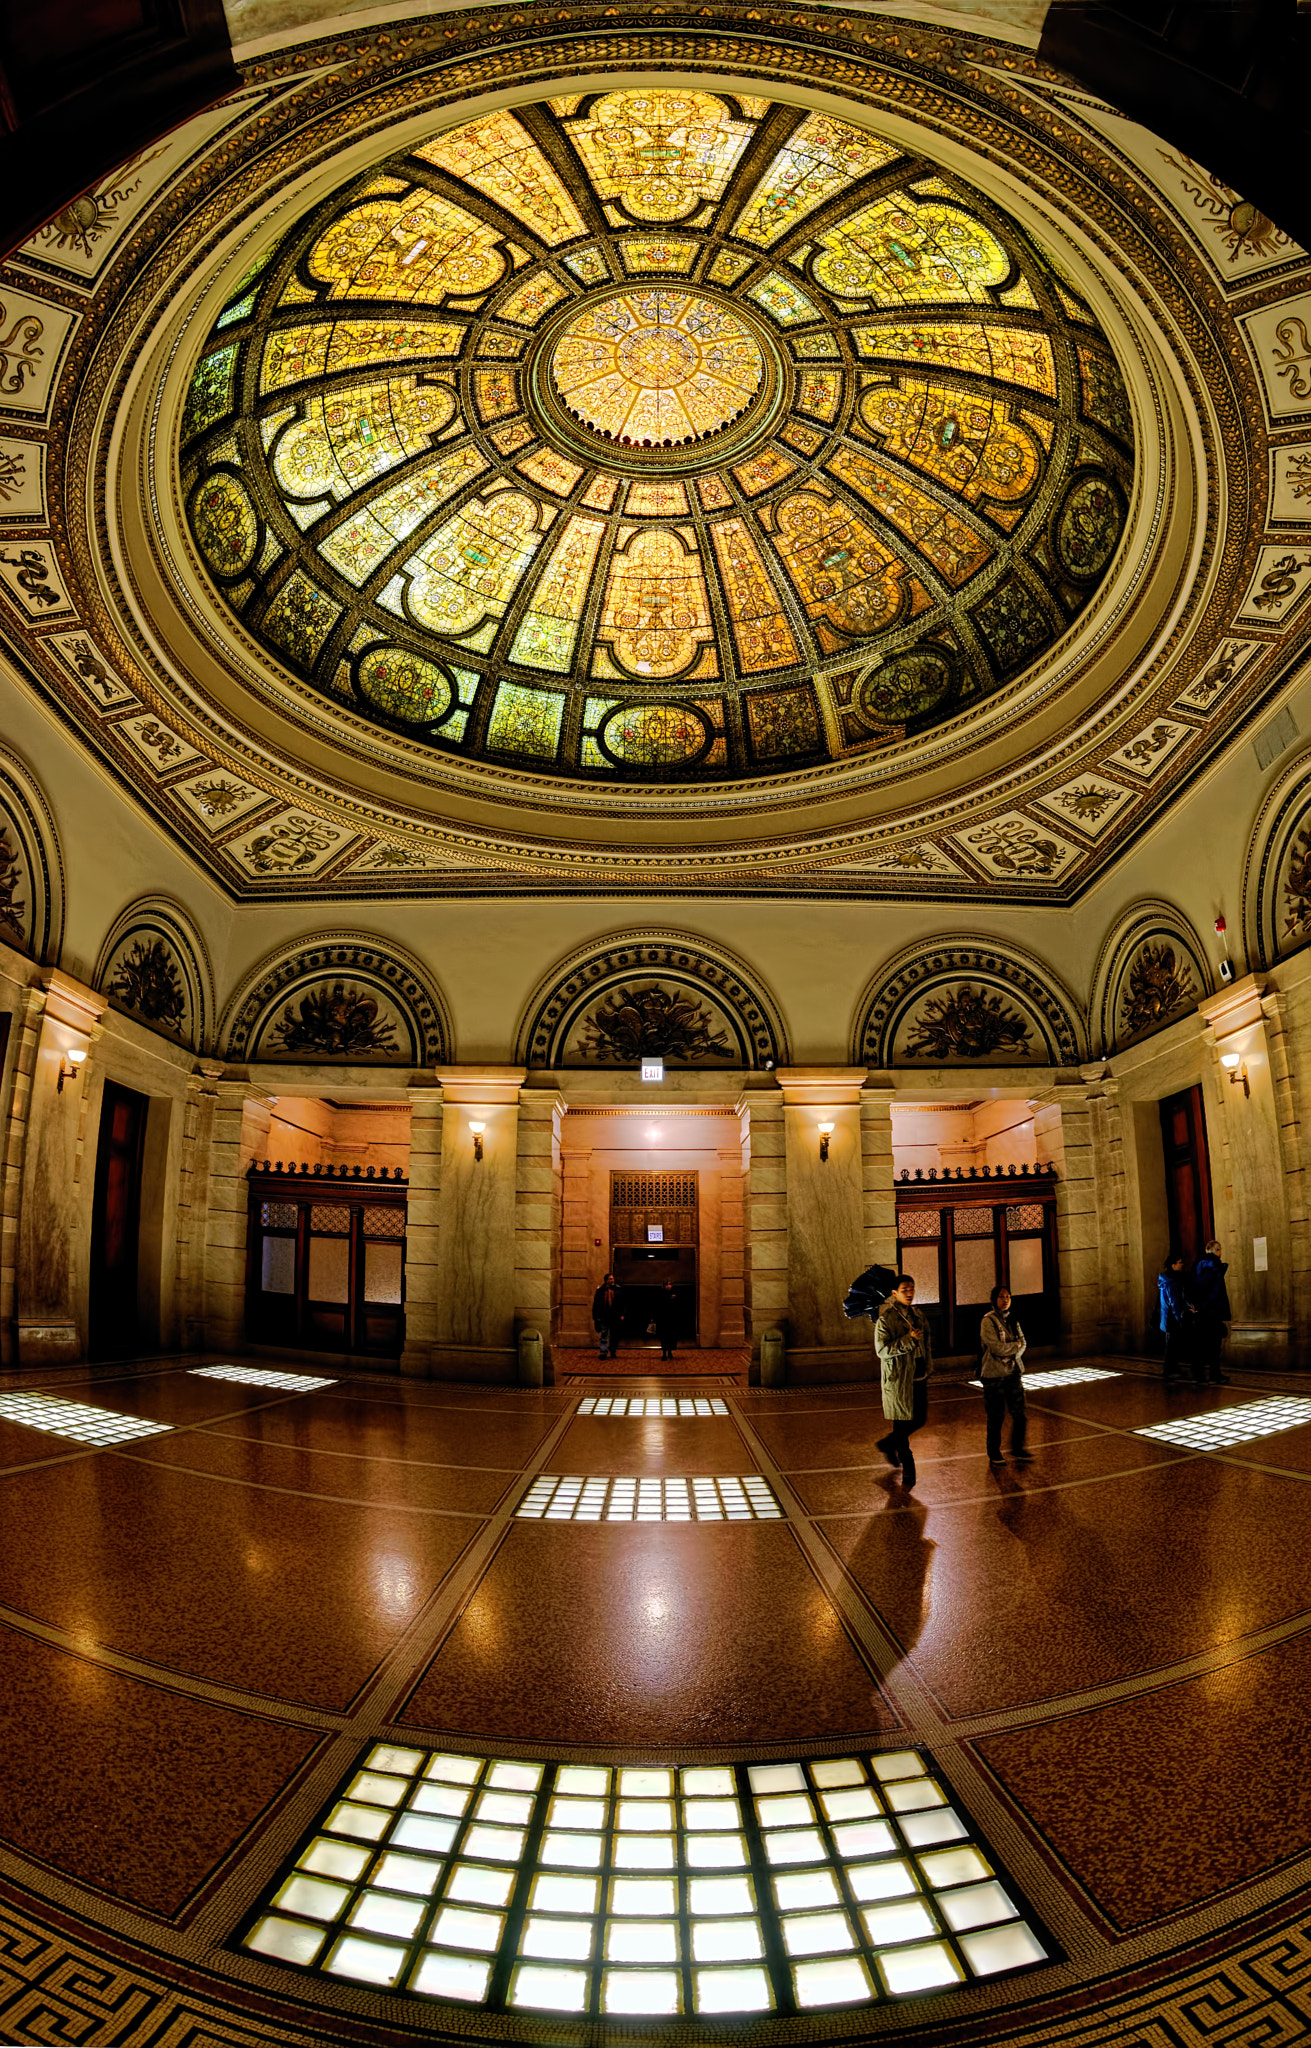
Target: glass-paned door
[[325, 1268], [957, 1252]]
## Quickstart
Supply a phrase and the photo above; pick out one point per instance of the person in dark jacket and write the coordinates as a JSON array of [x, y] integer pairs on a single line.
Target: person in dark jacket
[[666, 1319], [1210, 1299], [1001, 1348], [901, 1338], [1177, 1315], [607, 1316]]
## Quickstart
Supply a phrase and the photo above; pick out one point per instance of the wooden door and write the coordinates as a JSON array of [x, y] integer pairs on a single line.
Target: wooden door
[[1187, 1173], [116, 1223]]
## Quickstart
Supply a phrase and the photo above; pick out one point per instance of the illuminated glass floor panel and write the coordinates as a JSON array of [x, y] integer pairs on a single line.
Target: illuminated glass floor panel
[[1065, 1376], [249, 1376], [74, 1420], [565, 1497], [1241, 1425], [652, 1406], [598, 1890]]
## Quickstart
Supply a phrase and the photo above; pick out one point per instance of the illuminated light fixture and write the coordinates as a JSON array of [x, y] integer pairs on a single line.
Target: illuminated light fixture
[[1236, 1067], [70, 1066], [653, 1069], [825, 1133], [477, 1130]]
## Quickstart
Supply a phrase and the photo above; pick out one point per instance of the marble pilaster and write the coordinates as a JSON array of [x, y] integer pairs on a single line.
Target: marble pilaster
[[537, 1214], [423, 1228], [826, 1246], [53, 1272], [477, 1210]]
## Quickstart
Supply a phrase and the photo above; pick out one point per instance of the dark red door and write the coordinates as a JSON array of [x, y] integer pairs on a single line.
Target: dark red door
[[1187, 1173], [116, 1223]]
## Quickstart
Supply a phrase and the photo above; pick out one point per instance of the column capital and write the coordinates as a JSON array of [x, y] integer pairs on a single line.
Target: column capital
[[72, 1002], [820, 1087], [481, 1084], [1235, 1008]]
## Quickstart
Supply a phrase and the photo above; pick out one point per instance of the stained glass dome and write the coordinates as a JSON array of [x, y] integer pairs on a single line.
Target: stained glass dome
[[647, 435]]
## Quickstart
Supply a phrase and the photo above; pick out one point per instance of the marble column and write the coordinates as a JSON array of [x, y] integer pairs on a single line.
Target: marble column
[[576, 1283], [193, 1199], [760, 1108], [54, 1241], [1062, 1129], [537, 1215], [28, 1026], [477, 1211], [732, 1248], [878, 1183], [241, 1117], [1250, 1179], [825, 1221], [1118, 1312], [423, 1228], [1280, 1042]]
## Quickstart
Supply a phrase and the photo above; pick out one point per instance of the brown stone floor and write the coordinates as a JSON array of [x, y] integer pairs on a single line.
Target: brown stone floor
[[1106, 1652]]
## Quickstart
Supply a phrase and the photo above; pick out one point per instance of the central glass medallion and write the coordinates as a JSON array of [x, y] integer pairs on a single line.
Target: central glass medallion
[[656, 368]]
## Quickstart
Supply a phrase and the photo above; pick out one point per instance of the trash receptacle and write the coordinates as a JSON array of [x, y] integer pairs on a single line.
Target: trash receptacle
[[530, 1358], [773, 1358]]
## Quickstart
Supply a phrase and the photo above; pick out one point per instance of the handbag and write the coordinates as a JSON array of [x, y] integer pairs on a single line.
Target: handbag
[[651, 1329]]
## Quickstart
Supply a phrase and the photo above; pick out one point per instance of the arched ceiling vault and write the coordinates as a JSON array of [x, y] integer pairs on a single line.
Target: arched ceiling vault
[[801, 456]]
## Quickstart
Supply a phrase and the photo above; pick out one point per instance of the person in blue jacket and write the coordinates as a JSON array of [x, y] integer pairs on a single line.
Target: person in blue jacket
[[1210, 1299], [1177, 1315]]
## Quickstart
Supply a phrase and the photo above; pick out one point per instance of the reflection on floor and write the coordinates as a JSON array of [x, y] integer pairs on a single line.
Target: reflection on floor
[[254, 1627], [592, 1889]]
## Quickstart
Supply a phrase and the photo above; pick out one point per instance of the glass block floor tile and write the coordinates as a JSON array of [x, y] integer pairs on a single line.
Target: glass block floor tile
[[74, 1420], [651, 1407], [645, 1889], [1239, 1425], [1065, 1376], [562, 1497], [250, 1376]]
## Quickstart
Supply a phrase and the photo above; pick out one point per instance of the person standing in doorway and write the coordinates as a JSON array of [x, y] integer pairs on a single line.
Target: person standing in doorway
[[607, 1316], [901, 1338], [1001, 1345], [666, 1319], [1211, 1306], [1177, 1315]]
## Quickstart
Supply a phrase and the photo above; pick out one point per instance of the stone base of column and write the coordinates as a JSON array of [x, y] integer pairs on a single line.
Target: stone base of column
[[484, 1365], [827, 1365], [48, 1343]]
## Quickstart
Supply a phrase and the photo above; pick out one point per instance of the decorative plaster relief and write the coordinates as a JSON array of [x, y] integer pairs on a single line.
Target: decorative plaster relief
[[33, 336], [1147, 753], [391, 856], [602, 1006], [1014, 848], [931, 1005], [337, 996], [154, 966], [1151, 970], [158, 744], [1090, 803], [79, 654], [927, 858], [14, 893], [1206, 690], [32, 582], [1280, 340], [293, 844], [966, 1023], [218, 798], [22, 481], [1290, 486], [1279, 588]]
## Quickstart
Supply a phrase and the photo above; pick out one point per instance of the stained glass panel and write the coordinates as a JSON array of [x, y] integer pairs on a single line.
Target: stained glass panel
[[779, 296], [839, 566], [823, 158], [656, 367], [1012, 355], [351, 436], [526, 722], [656, 608], [499, 158], [419, 247], [548, 630], [783, 722], [300, 619], [357, 547], [760, 627], [655, 735], [662, 154], [532, 299], [225, 524], [471, 566], [956, 551], [900, 249], [403, 686], [973, 445]]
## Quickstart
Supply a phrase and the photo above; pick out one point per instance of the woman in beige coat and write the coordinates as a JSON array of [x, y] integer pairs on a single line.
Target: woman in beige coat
[[901, 1338]]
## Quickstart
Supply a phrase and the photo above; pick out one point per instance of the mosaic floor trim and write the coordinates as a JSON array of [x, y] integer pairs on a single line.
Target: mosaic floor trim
[[1243, 1424], [77, 1422], [554, 1497], [589, 1889]]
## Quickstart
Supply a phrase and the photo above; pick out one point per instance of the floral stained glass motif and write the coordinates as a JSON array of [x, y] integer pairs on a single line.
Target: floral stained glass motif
[[819, 392], [497, 156], [526, 722], [713, 493], [655, 735], [210, 395], [548, 630], [553, 472], [494, 393], [956, 550], [762, 471], [839, 565], [588, 266], [364, 541], [416, 248], [656, 611], [1104, 397], [225, 524], [970, 444], [295, 354], [660, 154], [728, 267], [823, 157], [657, 366], [760, 626], [783, 722], [532, 299], [472, 565], [1013, 355], [401, 684], [668, 254], [900, 249], [349, 437], [779, 296], [300, 619], [656, 501]]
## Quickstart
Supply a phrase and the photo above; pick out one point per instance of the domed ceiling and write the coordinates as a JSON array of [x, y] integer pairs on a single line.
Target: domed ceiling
[[656, 434]]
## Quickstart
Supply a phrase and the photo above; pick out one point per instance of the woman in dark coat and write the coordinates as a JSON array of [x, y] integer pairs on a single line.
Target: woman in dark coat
[[607, 1316], [1176, 1315], [1211, 1303], [901, 1338], [666, 1319]]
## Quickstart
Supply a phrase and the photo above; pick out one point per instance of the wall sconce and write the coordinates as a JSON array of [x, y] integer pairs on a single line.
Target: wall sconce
[[825, 1133], [70, 1066], [477, 1130], [1236, 1067]]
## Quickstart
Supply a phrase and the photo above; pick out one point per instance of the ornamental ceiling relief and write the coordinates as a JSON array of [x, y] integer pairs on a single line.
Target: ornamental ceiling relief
[[881, 463]]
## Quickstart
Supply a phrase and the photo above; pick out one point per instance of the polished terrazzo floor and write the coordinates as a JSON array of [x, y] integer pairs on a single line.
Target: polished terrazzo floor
[[225, 1597]]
